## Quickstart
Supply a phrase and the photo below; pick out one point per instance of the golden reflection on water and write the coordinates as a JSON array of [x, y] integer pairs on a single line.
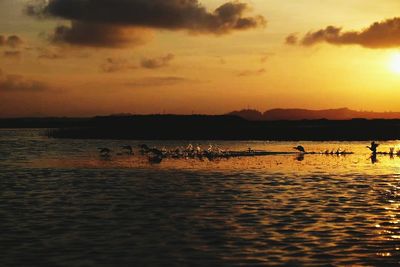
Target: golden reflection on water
[[297, 164], [388, 229], [297, 198], [287, 208]]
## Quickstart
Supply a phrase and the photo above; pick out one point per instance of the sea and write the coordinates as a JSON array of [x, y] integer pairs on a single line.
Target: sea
[[62, 204]]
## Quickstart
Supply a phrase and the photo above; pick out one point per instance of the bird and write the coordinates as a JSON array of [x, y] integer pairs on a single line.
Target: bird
[[300, 149], [210, 148], [128, 148], [144, 149], [198, 149], [155, 159], [373, 147], [190, 148], [156, 152], [104, 152]]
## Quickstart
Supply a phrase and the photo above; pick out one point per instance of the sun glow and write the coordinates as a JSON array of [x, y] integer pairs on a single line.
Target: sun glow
[[395, 63]]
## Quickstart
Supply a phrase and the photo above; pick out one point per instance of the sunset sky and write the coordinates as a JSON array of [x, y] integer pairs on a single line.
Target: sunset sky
[[96, 57]]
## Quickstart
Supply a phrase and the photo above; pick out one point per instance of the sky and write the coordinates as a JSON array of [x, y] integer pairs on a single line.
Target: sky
[[99, 57]]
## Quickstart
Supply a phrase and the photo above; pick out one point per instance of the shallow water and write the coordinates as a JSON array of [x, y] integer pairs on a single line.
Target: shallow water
[[63, 205]]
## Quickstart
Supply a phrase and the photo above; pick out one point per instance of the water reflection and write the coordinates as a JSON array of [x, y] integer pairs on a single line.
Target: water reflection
[[300, 163], [388, 225], [300, 157], [62, 204], [374, 159]]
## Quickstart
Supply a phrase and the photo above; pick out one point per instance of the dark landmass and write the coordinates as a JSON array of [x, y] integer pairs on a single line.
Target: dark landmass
[[203, 127], [199, 127], [305, 114]]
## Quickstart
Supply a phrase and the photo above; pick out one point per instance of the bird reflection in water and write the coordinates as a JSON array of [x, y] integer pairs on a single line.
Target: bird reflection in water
[[374, 159], [300, 157]]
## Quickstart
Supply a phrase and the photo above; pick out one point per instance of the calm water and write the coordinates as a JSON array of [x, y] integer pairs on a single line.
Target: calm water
[[62, 205]]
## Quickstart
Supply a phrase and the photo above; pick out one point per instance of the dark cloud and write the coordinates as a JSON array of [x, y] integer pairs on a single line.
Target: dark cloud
[[385, 34], [107, 17], [157, 81], [98, 35], [12, 54], [116, 64], [251, 73], [12, 41], [18, 83], [155, 63], [291, 39]]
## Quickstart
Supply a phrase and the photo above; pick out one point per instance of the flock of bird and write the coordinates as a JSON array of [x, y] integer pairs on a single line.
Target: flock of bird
[[338, 151], [155, 155]]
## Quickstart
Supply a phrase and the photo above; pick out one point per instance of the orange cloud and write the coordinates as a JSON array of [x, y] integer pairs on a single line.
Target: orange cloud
[[384, 34], [155, 63], [17, 83], [116, 64]]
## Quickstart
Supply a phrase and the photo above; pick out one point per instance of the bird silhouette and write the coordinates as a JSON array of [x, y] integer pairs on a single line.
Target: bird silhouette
[[373, 147], [144, 149], [128, 148], [300, 149], [104, 152], [156, 152]]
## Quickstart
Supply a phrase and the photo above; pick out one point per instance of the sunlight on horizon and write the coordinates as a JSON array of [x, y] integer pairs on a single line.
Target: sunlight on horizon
[[395, 63]]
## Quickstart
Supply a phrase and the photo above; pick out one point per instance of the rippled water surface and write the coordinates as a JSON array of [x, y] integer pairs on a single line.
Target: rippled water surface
[[63, 205]]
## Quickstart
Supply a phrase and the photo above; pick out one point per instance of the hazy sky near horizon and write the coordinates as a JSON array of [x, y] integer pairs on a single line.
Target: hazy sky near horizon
[[90, 57]]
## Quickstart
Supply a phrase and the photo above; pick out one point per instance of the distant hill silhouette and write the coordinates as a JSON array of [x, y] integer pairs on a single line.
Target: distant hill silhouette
[[305, 114], [248, 114]]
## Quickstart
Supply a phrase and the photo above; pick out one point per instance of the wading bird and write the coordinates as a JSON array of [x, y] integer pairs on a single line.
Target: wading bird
[[373, 147], [128, 149], [144, 149], [300, 149], [104, 152]]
